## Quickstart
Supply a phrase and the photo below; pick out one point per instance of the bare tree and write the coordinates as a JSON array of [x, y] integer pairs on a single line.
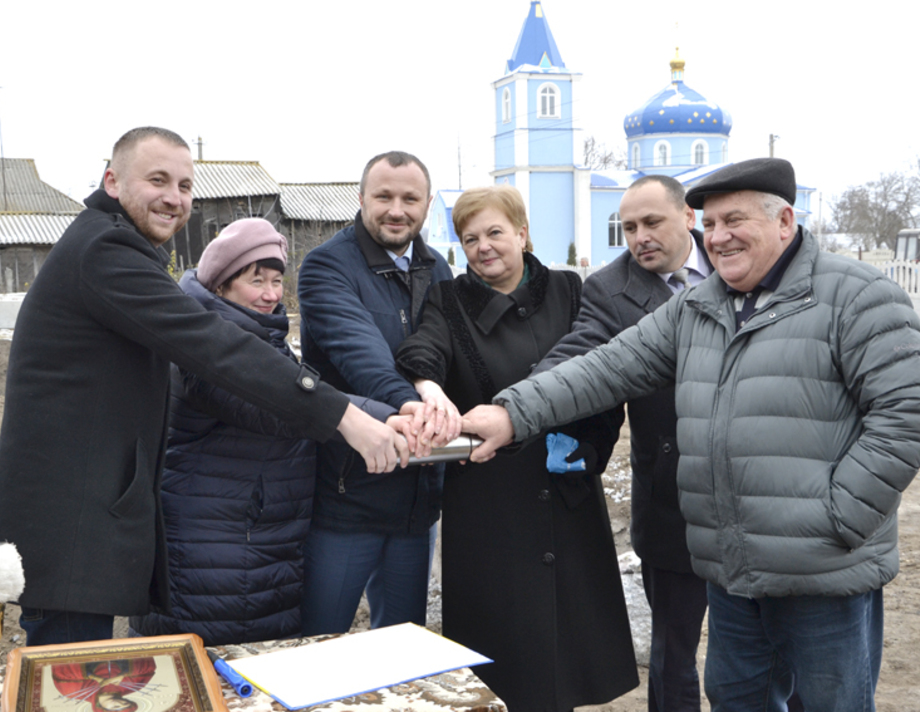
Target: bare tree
[[597, 156], [877, 211]]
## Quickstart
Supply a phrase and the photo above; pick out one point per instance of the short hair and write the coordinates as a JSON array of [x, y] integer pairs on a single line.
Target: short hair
[[135, 136], [504, 198], [395, 159], [773, 205], [673, 188]]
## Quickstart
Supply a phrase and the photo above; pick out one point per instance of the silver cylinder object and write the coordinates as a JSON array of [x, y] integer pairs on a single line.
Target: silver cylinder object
[[457, 449]]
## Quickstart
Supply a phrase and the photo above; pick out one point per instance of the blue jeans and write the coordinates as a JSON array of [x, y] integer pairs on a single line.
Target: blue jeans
[[340, 565], [44, 627], [831, 645]]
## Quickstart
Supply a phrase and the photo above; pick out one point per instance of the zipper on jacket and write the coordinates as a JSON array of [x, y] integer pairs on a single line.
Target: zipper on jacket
[[342, 484], [248, 532], [405, 322]]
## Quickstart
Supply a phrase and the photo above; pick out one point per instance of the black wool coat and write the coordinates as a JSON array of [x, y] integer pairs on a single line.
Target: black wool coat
[[530, 574], [84, 428], [615, 298]]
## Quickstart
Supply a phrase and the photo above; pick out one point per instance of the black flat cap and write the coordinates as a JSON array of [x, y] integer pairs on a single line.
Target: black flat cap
[[765, 175]]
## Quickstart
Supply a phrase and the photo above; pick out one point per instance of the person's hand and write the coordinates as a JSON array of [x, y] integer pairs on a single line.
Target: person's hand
[[402, 424], [414, 412], [381, 447], [492, 424], [438, 422]]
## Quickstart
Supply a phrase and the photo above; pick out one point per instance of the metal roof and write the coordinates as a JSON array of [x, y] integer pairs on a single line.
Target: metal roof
[[22, 191], [32, 228], [322, 202], [232, 179]]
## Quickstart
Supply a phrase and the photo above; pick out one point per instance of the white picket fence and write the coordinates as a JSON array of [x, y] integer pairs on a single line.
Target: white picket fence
[[906, 274]]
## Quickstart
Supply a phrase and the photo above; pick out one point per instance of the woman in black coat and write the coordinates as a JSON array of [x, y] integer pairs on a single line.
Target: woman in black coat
[[530, 574], [237, 486]]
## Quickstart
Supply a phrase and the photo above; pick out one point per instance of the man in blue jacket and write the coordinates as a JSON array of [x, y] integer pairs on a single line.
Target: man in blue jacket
[[361, 294]]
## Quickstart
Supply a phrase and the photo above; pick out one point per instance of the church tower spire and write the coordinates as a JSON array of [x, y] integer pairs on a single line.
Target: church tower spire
[[538, 145], [677, 67], [535, 45]]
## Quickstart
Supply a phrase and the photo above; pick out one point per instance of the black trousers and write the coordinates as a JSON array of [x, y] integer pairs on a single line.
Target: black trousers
[[678, 602]]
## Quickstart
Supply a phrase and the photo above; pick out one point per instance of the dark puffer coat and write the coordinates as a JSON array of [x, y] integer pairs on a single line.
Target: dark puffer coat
[[237, 496]]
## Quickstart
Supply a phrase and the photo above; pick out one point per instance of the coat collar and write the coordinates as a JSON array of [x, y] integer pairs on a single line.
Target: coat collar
[[104, 203], [712, 296], [646, 289], [267, 327], [378, 259], [486, 307]]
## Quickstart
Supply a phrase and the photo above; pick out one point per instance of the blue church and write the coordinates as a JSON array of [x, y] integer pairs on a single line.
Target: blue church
[[538, 147]]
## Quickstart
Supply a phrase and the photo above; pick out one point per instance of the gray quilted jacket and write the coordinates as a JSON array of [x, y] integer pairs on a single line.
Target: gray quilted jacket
[[797, 434]]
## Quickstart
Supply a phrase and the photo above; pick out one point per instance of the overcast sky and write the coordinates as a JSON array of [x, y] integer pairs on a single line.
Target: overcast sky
[[313, 89]]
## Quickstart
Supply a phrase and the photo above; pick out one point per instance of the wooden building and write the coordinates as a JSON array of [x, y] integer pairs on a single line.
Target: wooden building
[[33, 216], [314, 212]]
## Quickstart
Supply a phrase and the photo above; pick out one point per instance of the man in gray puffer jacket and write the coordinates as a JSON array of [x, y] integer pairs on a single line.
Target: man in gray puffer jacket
[[798, 400]]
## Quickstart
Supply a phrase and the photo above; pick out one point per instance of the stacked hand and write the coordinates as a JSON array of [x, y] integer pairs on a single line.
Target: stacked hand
[[381, 446], [435, 420], [492, 424]]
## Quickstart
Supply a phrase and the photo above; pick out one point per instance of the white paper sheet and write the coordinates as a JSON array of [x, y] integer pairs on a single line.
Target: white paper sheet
[[352, 664]]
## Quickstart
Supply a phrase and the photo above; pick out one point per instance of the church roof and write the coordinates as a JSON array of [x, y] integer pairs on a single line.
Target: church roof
[[535, 45], [677, 109]]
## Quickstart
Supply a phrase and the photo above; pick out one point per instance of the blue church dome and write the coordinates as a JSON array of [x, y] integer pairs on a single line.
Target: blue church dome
[[677, 109]]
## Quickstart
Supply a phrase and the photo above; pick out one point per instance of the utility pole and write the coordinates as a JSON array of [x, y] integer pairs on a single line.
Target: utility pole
[[200, 145], [3, 170], [459, 168], [773, 138]]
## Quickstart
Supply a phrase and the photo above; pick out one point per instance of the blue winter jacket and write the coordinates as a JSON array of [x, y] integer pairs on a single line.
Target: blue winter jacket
[[237, 497], [356, 308]]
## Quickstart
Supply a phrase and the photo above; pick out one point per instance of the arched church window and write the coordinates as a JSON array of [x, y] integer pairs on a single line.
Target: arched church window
[[636, 154], [699, 153], [662, 153], [548, 98], [506, 105], [615, 231]]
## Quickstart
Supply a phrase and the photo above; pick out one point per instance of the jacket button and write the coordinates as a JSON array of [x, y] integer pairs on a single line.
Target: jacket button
[[522, 312], [307, 382], [666, 447], [544, 495], [548, 559]]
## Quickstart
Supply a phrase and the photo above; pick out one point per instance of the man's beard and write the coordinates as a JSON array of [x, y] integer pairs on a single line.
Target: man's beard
[[394, 244]]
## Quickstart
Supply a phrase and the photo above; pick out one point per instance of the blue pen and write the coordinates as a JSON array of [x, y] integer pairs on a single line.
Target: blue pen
[[237, 681]]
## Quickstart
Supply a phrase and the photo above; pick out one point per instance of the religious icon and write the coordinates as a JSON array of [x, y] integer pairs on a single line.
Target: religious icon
[[160, 674]]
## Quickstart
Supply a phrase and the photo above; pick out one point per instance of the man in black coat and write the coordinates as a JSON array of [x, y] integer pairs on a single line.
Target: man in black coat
[[84, 428], [665, 255]]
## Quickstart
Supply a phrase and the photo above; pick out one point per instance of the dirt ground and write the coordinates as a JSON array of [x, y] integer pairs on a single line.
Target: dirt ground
[[899, 683]]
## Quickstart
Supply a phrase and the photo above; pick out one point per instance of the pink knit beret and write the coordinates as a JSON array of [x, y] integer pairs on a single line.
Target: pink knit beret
[[238, 245]]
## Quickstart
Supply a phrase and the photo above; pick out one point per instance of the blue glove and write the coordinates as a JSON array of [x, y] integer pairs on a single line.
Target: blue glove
[[558, 447]]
